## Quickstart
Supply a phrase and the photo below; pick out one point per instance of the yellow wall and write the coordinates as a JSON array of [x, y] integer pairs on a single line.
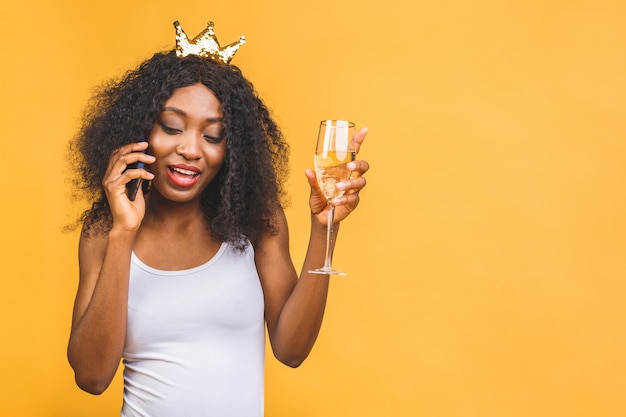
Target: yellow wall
[[487, 262]]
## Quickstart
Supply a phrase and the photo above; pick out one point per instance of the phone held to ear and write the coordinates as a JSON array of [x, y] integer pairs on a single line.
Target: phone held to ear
[[132, 187]]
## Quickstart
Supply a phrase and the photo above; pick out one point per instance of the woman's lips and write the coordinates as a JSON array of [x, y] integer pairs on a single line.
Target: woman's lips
[[183, 175]]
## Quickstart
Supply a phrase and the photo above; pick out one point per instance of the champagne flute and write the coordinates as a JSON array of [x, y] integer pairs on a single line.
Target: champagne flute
[[335, 148]]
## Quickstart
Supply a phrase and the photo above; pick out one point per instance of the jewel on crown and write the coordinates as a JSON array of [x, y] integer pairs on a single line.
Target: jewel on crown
[[205, 44]]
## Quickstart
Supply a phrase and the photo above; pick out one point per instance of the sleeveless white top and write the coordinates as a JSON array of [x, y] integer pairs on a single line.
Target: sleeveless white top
[[195, 342]]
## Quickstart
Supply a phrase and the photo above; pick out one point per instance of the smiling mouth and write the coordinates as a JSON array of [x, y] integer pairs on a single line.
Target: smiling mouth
[[182, 177], [184, 171]]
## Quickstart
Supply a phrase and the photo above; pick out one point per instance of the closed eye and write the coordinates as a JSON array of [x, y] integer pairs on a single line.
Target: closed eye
[[169, 130], [213, 139]]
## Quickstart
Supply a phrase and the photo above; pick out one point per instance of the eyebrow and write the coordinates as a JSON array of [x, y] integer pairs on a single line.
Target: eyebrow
[[182, 113]]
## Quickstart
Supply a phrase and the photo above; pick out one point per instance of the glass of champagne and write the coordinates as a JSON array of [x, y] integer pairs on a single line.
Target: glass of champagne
[[335, 148]]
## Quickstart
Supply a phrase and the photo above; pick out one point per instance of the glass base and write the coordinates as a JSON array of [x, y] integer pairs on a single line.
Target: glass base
[[326, 271]]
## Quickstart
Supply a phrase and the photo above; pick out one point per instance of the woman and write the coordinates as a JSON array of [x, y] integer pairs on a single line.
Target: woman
[[181, 282]]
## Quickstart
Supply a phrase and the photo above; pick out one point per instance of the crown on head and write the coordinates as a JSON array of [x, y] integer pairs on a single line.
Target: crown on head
[[205, 44]]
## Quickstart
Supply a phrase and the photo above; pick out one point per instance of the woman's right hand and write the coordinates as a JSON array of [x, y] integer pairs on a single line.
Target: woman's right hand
[[127, 215]]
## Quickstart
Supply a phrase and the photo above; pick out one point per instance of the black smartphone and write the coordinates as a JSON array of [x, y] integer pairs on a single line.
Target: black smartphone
[[132, 187]]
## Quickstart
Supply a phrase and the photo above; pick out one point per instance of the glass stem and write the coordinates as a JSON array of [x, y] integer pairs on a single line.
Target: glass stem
[[329, 236]]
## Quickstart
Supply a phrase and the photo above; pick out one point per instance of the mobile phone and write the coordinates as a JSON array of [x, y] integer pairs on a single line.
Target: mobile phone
[[132, 187]]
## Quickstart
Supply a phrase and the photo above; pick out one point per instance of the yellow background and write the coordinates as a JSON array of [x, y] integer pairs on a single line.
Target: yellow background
[[487, 261]]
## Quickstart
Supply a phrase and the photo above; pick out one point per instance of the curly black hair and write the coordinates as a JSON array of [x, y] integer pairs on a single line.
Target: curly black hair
[[240, 202]]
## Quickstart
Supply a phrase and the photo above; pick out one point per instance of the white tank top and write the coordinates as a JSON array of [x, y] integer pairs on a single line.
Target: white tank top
[[195, 342]]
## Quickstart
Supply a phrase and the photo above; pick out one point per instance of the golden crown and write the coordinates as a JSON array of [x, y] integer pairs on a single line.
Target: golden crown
[[205, 44]]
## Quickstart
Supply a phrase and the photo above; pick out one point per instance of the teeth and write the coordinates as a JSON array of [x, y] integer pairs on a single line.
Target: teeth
[[184, 171]]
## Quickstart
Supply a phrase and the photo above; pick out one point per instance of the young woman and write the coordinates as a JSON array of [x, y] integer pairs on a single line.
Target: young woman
[[181, 282]]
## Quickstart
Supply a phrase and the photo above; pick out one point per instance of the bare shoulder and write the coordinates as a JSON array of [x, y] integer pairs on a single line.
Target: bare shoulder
[[91, 246], [272, 240], [273, 259]]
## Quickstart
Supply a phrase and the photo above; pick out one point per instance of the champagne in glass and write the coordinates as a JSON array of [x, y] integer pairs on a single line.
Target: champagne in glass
[[335, 148], [331, 170]]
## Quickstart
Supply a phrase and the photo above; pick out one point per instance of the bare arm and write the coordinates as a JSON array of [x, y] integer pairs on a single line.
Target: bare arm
[[100, 310], [99, 319], [294, 308]]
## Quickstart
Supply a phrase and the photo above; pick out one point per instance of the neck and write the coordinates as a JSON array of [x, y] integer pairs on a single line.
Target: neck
[[167, 214]]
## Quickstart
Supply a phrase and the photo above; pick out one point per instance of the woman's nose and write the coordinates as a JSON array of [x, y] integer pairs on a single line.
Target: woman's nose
[[189, 146]]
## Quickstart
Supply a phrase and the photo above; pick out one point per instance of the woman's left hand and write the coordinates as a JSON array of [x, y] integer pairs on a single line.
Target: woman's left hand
[[345, 204]]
